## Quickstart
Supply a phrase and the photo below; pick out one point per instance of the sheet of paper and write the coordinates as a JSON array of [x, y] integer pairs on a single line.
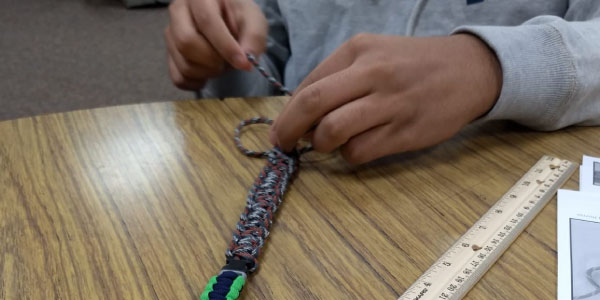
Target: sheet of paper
[[589, 174], [578, 230]]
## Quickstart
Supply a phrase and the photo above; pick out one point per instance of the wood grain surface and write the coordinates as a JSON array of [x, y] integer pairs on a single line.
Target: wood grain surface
[[139, 202]]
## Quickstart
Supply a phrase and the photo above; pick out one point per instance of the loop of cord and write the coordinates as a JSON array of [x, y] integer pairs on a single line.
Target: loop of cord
[[257, 120]]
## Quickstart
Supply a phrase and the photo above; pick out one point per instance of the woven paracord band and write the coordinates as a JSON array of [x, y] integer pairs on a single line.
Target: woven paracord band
[[262, 202]]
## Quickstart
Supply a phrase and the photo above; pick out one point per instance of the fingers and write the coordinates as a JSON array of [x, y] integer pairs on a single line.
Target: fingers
[[187, 68], [314, 102], [376, 143], [349, 120], [201, 37], [187, 40], [180, 81], [230, 17], [339, 60], [209, 21], [253, 30]]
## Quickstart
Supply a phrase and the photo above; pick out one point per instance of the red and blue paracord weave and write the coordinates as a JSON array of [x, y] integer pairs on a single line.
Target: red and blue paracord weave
[[263, 200]]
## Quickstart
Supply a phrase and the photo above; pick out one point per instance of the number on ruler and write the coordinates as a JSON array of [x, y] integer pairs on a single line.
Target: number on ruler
[[526, 200]]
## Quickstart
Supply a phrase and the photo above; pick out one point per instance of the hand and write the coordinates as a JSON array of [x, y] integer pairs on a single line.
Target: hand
[[378, 95], [204, 35]]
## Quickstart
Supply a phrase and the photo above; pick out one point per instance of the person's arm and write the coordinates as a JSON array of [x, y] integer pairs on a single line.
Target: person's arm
[[551, 68], [239, 83]]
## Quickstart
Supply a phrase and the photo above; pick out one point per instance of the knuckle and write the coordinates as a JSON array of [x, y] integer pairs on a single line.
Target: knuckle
[[388, 70], [329, 133], [203, 19], [311, 99], [184, 42], [404, 109], [331, 130], [383, 72], [187, 70], [179, 81], [360, 41], [405, 141], [353, 154], [406, 112]]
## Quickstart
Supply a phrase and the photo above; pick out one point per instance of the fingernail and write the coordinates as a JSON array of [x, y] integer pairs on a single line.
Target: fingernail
[[239, 61]]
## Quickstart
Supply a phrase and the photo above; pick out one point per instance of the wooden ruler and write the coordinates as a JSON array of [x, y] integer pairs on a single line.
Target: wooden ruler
[[459, 269]]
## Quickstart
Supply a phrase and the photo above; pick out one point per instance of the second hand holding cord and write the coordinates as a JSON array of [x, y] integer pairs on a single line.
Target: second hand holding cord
[[262, 201]]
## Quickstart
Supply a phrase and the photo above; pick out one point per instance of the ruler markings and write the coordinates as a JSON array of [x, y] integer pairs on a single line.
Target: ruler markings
[[467, 260]]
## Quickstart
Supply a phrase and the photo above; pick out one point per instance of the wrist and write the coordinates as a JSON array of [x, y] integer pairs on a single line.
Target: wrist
[[486, 73]]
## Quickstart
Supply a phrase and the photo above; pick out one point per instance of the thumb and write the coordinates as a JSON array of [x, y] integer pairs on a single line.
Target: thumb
[[253, 30]]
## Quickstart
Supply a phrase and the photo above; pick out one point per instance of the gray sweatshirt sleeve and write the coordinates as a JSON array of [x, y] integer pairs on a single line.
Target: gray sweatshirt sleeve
[[551, 68], [236, 83]]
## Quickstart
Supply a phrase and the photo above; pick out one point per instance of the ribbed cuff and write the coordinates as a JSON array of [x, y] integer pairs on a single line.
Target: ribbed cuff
[[539, 75]]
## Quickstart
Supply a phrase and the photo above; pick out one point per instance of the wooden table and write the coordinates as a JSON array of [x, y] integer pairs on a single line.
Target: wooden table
[[138, 202]]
